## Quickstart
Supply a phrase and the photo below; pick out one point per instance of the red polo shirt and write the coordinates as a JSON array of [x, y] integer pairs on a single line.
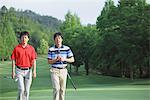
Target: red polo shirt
[[23, 56]]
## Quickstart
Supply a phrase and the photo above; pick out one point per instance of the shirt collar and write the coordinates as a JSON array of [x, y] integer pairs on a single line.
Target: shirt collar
[[20, 45], [60, 47]]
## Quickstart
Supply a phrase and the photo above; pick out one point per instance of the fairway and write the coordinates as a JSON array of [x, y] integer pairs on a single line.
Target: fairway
[[89, 94], [92, 87]]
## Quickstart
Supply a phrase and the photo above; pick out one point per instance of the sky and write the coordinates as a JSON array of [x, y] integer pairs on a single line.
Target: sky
[[87, 10]]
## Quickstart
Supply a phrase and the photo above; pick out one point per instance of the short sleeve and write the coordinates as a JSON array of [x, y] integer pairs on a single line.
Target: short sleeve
[[49, 54], [34, 55], [69, 53]]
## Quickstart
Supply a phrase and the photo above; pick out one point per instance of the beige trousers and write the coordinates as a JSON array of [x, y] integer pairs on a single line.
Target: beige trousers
[[58, 77]]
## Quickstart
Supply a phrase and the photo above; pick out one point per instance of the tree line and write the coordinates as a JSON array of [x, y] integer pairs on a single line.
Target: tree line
[[117, 45], [12, 22]]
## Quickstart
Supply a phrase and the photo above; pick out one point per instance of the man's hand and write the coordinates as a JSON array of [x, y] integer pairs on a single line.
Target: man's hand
[[58, 58], [61, 59], [13, 75], [34, 74]]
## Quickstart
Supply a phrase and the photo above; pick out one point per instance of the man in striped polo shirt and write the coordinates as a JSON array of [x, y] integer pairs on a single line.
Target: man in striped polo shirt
[[58, 56]]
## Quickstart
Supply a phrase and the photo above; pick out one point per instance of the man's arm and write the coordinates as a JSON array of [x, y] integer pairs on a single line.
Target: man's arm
[[51, 61], [70, 60], [34, 68], [13, 69]]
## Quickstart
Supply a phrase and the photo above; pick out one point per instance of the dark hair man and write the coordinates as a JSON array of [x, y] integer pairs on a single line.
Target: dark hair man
[[58, 56], [23, 58]]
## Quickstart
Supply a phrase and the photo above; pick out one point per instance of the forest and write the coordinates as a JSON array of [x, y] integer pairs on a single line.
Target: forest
[[116, 45]]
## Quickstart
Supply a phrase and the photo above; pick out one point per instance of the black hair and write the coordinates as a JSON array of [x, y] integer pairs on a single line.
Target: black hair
[[24, 33], [58, 34]]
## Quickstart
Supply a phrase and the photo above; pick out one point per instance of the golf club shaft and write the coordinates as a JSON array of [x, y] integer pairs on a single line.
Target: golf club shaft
[[67, 73], [71, 81]]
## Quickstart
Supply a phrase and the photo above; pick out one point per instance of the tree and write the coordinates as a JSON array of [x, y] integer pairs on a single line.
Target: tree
[[12, 22], [71, 29], [43, 47], [126, 35], [9, 38], [87, 38]]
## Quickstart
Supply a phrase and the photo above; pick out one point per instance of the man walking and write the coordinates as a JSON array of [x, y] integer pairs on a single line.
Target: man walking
[[58, 56], [23, 58]]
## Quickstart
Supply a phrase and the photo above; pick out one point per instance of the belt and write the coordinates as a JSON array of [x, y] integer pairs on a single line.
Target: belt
[[58, 67], [23, 68]]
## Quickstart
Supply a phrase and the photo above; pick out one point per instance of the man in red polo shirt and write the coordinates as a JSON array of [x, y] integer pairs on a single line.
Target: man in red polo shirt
[[23, 58]]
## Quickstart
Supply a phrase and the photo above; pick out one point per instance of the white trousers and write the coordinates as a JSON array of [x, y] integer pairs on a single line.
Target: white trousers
[[24, 80], [58, 77]]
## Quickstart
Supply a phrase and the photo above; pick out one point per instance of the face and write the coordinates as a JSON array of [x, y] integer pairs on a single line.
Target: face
[[24, 39], [58, 41]]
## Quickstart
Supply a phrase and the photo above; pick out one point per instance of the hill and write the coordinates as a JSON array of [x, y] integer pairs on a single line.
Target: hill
[[12, 22], [47, 21]]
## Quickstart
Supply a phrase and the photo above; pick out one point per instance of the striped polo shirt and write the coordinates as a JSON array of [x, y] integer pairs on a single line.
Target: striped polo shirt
[[64, 52]]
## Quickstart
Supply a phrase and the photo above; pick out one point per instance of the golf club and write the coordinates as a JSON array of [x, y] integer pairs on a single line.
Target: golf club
[[58, 52]]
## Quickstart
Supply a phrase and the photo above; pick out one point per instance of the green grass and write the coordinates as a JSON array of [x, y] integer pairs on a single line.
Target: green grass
[[92, 87]]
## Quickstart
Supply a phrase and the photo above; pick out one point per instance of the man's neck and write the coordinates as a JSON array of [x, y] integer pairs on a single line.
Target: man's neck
[[58, 46], [24, 45]]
